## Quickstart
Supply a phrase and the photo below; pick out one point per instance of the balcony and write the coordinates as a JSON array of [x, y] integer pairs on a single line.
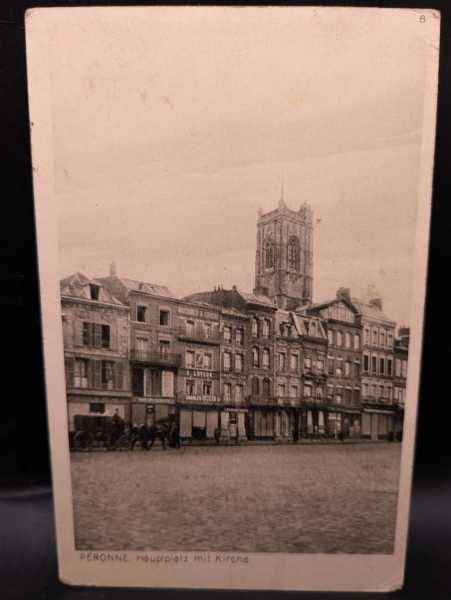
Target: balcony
[[157, 358], [376, 401], [199, 334]]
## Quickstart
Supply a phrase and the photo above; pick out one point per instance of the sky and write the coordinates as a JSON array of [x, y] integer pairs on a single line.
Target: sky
[[172, 128]]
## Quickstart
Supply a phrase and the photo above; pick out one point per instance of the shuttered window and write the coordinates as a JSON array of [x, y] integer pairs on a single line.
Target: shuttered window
[[96, 334], [69, 368]]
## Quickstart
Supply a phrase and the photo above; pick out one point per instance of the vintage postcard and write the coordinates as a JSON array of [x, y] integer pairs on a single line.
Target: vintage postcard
[[232, 210]]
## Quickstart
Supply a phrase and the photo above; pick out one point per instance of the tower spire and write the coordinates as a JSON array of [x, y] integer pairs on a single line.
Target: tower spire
[[282, 200]]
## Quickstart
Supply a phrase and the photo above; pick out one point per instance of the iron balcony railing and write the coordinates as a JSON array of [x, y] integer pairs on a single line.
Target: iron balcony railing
[[379, 401], [156, 357]]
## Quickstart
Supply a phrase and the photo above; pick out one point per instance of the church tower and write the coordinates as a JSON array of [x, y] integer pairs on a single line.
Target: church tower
[[284, 256]]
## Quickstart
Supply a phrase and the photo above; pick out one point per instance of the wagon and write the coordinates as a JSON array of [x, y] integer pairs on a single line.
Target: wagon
[[97, 431]]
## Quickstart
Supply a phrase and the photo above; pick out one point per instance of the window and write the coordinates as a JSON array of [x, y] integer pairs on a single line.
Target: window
[[339, 338], [255, 357], [190, 328], [206, 388], [330, 391], [365, 390], [199, 360], [390, 340], [307, 391], [398, 367], [266, 328], [207, 360], [281, 390], [366, 363], [282, 361], [307, 363], [330, 336], [95, 334], [374, 391], [238, 393], [338, 369], [266, 387], [255, 386], [164, 317], [189, 359], [239, 337], [404, 369], [293, 253], [208, 330], [330, 365], [348, 395], [347, 368], [239, 363], [312, 329], [227, 334], [382, 366], [356, 341], [97, 407], [265, 358], [374, 365], [227, 361], [81, 373], [269, 255], [294, 391], [356, 395], [381, 391], [389, 392], [94, 291], [366, 336], [382, 338], [293, 362], [389, 367], [227, 391], [375, 337], [320, 364], [338, 396], [254, 326], [356, 369], [190, 387], [319, 393], [141, 314], [347, 339], [107, 375], [164, 347]]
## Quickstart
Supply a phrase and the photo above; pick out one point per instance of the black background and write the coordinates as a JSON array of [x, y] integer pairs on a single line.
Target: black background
[[27, 548]]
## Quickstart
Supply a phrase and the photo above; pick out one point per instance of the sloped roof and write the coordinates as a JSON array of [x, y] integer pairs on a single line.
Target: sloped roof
[[257, 299], [147, 288], [77, 286], [370, 312]]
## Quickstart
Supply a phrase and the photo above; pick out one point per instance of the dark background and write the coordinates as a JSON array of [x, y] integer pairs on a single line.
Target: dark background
[[27, 548]]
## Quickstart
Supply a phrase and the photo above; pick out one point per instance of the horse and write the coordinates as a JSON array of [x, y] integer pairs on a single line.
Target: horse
[[147, 434]]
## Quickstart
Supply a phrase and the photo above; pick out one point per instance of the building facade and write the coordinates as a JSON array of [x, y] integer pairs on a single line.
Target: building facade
[[378, 416], [96, 340], [401, 356]]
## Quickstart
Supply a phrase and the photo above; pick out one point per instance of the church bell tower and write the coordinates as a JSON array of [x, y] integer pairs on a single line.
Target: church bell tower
[[284, 256]]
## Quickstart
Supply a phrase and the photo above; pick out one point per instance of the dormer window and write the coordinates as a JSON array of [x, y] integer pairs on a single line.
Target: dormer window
[[94, 291]]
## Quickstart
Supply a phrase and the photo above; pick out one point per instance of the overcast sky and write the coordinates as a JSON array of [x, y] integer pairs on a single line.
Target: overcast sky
[[170, 133]]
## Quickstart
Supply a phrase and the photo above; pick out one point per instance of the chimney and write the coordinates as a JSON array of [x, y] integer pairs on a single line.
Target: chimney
[[376, 303], [113, 271], [344, 294]]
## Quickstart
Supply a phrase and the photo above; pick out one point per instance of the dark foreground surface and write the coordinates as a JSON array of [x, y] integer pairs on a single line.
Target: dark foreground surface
[[303, 499]]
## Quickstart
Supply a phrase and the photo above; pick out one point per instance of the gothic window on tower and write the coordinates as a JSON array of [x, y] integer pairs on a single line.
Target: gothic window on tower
[[269, 255], [293, 253]]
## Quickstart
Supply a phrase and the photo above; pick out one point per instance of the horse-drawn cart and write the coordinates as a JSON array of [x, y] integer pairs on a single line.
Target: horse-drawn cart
[[98, 431]]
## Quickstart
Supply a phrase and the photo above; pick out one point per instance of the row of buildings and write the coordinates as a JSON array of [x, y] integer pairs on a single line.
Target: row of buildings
[[264, 365]]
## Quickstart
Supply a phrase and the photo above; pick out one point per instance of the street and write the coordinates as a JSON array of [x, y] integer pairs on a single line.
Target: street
[[300, 499]]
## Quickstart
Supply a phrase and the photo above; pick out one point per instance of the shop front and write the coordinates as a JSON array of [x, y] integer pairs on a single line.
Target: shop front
[[99, 406], [378, 424], [199, 422]]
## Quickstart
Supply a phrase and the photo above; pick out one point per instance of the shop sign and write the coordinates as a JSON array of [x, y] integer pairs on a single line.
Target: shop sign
[[199, 373], [199, 399]]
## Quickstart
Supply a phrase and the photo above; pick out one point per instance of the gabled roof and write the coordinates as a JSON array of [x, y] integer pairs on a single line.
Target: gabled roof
[[319, 305], [78, 286]]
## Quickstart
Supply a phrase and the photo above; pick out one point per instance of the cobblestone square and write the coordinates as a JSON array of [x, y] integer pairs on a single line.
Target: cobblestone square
[[327, 498]]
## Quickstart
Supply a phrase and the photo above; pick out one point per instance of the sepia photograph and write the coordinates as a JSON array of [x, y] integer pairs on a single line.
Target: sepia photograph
[[237, 198]]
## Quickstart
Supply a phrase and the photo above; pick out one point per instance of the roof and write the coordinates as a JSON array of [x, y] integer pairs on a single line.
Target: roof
[[147, 288], [257, 299], [370, 312], [77, 286]]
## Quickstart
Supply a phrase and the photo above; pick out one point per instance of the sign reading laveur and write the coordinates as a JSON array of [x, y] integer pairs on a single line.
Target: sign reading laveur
[[199, 373]]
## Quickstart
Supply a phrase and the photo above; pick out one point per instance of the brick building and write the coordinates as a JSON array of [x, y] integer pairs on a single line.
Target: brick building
[[344, 332]]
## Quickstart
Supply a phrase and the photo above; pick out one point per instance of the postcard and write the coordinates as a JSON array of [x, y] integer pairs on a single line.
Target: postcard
[[232, 213]]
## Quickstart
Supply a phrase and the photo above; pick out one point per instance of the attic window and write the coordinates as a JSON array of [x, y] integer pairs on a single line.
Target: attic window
[[94, 290]]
